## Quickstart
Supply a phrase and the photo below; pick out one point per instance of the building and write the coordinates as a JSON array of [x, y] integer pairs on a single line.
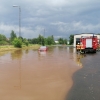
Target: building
[[78, 36], [56, 41]]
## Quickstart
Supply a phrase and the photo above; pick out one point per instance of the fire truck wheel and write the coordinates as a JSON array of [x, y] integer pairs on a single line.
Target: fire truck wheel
[[94, 51]]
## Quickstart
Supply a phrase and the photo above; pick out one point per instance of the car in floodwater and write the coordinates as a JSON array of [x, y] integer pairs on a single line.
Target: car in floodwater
[[43, 48]]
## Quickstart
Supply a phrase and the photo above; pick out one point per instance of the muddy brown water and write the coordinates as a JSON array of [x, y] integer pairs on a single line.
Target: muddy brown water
[[33, 75]]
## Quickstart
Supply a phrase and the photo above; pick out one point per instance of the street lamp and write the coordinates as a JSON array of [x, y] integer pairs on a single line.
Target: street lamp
[[19, 19]]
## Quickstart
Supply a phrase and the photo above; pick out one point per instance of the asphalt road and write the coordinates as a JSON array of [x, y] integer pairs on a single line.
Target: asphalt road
[[87, 80]]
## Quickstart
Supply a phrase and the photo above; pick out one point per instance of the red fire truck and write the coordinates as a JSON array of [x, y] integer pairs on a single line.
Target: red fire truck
[[89, 44]]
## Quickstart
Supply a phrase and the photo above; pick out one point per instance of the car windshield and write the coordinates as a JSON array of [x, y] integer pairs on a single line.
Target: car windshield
[[43, 47]]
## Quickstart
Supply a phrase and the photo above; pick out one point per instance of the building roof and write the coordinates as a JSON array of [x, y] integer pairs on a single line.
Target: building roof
[[84, 33]]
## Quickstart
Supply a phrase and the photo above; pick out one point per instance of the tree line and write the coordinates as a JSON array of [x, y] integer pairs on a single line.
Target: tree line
[[41, 40]]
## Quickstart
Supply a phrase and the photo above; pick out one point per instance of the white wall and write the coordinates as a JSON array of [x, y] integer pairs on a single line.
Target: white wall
[[56, 41]]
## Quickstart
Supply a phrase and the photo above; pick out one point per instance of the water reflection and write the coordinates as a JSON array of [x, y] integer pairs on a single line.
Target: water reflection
[[78, 59], [61, 47], [71, 50], [17, 54], [2, 53], [42, 53], [74, 56], [26, 51], [19, 74]]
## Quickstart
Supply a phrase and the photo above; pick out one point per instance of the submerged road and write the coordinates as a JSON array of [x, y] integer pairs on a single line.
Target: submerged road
[[32, 75], [87, 80]]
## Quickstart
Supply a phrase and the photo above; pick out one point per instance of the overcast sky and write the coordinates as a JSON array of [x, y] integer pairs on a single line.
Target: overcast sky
[[59, 18]]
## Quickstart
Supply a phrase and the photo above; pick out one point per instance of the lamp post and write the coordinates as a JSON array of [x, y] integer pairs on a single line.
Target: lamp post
[[44, 33], [19, 19]]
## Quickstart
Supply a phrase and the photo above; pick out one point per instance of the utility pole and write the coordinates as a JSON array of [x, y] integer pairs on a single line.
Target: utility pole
[[19, 19]]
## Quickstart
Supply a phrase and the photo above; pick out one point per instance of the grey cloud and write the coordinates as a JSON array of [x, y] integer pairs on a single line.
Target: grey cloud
[[58, 17], [75, 26]]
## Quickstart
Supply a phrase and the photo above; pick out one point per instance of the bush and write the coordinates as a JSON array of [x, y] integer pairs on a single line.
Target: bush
[[17, 42], [3, 43], [26, 43]]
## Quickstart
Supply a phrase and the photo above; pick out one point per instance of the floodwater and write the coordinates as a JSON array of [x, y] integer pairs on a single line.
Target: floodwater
[[33, 75], [58, 74]]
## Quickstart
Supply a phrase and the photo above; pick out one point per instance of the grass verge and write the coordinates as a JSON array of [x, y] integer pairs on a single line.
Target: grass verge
[[11, 47]]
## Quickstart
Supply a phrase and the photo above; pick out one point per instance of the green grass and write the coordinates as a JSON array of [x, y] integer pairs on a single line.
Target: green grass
[[11, 47]]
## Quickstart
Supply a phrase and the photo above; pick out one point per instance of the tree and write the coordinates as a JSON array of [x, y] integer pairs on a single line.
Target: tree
[[3, 37], [65, 41], [25, 41], [71, 39], [17, 42], [3, 40], [61, 41], [12, 36], [40, 40], [35, 41], [30, 41], [50, 40], [53, 42]]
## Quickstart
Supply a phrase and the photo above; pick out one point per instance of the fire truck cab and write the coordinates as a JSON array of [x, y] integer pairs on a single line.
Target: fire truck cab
[[88, 44]]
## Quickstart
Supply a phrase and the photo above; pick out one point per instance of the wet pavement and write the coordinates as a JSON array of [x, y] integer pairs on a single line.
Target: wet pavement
[[87, 80]]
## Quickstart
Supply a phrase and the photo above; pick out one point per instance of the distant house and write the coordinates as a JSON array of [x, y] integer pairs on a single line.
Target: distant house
[[67, 42], [56, 41]]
